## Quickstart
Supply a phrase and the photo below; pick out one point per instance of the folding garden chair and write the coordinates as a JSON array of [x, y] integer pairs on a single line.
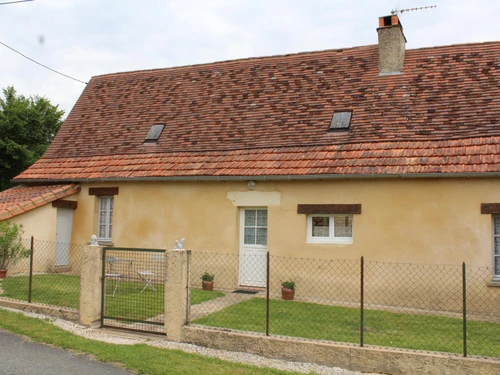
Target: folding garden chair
[[148, 276], [111, 273]]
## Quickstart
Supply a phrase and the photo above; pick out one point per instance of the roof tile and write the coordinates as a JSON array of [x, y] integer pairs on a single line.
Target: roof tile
[[20, 199], [270, 116]]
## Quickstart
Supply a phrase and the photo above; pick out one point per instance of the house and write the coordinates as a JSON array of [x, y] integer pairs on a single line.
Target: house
[[378, 151]]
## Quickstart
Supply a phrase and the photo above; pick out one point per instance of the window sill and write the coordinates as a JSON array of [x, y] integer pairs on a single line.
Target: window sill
[[494, 284], [105, 243], [330, 242]]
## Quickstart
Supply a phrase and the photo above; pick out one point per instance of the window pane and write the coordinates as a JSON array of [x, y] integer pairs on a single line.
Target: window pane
[[105, 217], [250, 216], [497, 245], [249, 236], [104, 203], [261, 236], [497, 266], [496, 224], [110, 229], [262, 218], [320, 226], [343, 226]]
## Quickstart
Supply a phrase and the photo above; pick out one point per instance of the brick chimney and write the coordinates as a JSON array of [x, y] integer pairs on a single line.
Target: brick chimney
[[391, 45]]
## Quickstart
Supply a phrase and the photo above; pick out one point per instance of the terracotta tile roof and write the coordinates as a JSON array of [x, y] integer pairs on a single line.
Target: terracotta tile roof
[[271, 116], [467, 156], [20, 199]]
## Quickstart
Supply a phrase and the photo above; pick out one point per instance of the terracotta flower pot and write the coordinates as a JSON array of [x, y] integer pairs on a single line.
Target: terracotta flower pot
[[287, 294], [3, 274], [207, 285]]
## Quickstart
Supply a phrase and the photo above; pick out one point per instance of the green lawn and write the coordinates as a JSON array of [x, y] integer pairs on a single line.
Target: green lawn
[[131, 303], [342, 324], [289, 318], [141, 359], [64, 291], [53, 289]]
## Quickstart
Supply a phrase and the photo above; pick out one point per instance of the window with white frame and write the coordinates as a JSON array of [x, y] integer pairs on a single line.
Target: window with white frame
[[255, 230], [496, 247], [105, 218], [329, 228]]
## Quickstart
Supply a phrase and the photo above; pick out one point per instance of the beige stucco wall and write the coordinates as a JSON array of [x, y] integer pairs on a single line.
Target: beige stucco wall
[[418, 221], [422, 221], [40, 223]]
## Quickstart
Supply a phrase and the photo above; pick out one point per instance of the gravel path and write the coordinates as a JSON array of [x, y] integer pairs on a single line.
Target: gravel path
[[118, 337]]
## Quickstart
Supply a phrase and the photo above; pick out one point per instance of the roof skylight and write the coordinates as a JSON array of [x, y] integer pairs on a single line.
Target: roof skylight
[[154, 133], [341, 120]]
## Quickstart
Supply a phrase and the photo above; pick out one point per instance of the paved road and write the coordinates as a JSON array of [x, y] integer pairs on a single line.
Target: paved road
[[18, 357]]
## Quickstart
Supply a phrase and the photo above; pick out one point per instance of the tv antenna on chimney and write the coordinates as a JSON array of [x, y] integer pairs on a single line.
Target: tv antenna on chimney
[[396, 11]]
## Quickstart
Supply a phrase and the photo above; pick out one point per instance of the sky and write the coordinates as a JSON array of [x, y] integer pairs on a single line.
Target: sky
[[85, 38]]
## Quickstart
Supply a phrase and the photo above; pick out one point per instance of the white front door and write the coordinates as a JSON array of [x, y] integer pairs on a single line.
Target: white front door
[[253, 247], [64, 226]]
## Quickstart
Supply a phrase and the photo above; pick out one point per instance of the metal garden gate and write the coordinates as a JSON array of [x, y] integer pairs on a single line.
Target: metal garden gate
[[133, 282]]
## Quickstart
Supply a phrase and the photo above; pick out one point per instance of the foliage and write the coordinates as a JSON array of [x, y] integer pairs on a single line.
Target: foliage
[[139, 358], [288, 284], [27, 127], [11, 245], [208, 276]]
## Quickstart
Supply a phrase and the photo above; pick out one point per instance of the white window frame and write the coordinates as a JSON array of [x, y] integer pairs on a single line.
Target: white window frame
[[496, 276], [109, 220], [243, 226], [331, 239]]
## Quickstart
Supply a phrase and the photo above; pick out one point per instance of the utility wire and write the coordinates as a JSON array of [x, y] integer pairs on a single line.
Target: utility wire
[[45, 66], [14, 2]]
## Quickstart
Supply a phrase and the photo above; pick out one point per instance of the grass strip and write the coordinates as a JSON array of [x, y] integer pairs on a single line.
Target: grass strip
[[140, 358], [341, 324]]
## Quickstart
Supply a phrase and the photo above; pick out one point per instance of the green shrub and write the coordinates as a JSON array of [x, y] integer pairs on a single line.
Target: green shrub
[[11, 245]]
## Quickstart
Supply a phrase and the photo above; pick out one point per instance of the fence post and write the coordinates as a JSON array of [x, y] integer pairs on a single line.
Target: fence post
[[30, 286], [464, 305], [177, 293], [362, 301], [91, 285], [267, 294]]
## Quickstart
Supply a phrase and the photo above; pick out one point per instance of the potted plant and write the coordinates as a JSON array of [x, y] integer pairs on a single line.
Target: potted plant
[[287, 290], [11, 246], [207, 281]]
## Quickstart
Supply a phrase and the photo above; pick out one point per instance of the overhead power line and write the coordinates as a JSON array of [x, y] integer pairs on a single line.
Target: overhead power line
[[45, 66], [14, 2]]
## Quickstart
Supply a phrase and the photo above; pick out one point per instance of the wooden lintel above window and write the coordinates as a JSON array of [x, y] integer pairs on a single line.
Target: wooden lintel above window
[[61, 203], [103, 191], [354, 209], [490, 208]]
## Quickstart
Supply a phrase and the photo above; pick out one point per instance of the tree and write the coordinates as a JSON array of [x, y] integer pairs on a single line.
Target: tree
[[27, 126]]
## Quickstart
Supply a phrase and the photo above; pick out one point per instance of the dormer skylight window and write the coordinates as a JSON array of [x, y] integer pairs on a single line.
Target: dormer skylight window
[[154, 133], [341, 120]]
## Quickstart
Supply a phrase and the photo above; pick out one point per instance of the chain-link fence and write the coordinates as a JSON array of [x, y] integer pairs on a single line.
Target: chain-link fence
[[49, 274], [439, 308]]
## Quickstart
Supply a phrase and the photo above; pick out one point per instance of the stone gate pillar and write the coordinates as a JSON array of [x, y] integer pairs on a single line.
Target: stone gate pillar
[[177, 293], [90, 286]]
